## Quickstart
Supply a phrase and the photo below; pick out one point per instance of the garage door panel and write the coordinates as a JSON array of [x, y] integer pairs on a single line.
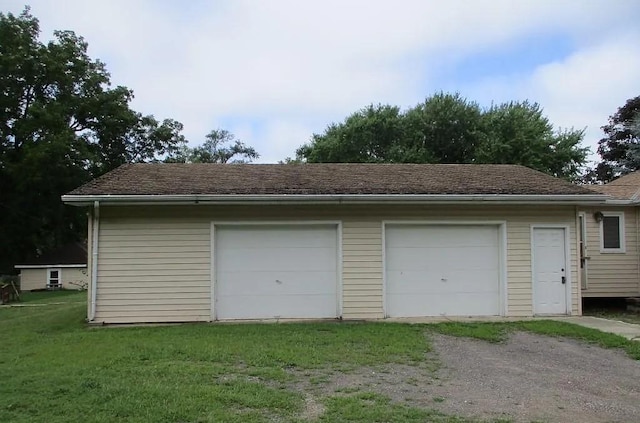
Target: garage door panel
[[260, 237], [434, 270], [275, 307], [478, 304], [412, 236], [470, 258], [276, 283], [272, 259], [429, 282], [276, 271]]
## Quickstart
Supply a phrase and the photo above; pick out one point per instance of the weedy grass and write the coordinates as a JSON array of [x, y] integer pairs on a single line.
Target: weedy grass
[[371, 407], [499, 331], [54, 368]]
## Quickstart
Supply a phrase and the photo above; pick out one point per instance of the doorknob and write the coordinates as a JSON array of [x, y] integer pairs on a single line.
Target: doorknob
[[564, 280]]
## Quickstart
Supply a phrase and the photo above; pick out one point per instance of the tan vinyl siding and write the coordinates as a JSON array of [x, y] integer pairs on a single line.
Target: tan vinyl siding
[[154, 260], [153, 269], [362, 269], [33, 279], [612, 274], [74, 278]]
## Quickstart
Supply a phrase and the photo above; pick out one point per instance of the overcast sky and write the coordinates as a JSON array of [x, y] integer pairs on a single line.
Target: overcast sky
[[274, 72]]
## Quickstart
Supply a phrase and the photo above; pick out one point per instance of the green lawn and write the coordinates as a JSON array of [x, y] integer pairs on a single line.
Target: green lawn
[[47, 297], [53, 368]]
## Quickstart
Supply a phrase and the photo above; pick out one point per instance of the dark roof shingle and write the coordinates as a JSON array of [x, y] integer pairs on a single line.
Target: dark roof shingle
[[626, 187], [327, 179], [73, 253]]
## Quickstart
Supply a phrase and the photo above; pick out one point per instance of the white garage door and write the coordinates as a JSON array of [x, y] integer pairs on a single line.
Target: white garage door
[[434, 270], [276, 271]]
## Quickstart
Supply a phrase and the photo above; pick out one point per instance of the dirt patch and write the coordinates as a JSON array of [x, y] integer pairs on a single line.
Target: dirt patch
[[312, 409], [527, 378]]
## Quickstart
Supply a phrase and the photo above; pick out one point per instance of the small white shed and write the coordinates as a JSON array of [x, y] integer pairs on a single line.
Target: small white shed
[[62, 268]]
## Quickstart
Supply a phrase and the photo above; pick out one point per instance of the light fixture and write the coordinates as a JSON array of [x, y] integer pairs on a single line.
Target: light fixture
[[598, 216]]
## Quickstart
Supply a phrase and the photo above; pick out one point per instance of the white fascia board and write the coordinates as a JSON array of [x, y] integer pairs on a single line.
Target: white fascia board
[[617, 202], [85, 200], [47, 266]]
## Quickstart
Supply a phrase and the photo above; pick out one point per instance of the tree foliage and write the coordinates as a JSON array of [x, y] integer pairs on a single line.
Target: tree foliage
[[620, 147], [370, 135], [442, 129], [447, 128], [519, 133], [220, 146], [61, 123]]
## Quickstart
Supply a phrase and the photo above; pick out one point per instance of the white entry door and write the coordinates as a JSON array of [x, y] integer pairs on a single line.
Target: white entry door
[[437, 270], [549, 271], [276, 271]]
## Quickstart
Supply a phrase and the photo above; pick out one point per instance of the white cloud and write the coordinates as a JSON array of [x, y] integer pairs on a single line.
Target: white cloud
[[581, 90], [295, 66]]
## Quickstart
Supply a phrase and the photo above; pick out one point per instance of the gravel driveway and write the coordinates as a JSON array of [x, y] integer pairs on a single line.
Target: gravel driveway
[[527, 378], [533, 377]]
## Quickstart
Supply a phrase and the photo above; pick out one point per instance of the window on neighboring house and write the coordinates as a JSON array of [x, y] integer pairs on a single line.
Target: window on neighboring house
[[53, 278], [612, 233]]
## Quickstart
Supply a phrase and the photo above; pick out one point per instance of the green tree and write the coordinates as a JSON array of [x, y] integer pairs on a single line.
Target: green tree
[[220, 146], [448, 128], [519, 133], [61, 123], [373, 134], [619, 148], [443, 129]]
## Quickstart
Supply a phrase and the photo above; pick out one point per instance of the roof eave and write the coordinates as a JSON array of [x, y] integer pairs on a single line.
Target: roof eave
[[48, 266], [621, 202], [86, 200]]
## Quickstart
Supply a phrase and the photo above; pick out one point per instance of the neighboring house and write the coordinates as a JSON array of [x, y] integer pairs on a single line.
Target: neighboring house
[[610, 259], [63, 268], [204, 242]]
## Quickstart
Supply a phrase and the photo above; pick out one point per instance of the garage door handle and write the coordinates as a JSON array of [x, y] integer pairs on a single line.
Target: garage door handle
[[564, 280]]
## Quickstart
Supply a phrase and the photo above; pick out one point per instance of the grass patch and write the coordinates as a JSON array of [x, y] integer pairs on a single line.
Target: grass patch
[[498, 332], [592, 336], [43, 297], [370, 407], [56, 369]]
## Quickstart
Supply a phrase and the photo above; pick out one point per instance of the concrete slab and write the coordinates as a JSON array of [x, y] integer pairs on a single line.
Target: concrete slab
[[626, 330]]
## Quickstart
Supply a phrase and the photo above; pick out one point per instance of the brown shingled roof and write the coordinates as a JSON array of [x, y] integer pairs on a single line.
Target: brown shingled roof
[[310, 179], [73, 253], [626, 187]]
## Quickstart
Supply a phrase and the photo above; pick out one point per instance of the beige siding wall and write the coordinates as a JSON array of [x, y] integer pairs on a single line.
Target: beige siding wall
[[31, 279], [154, 262], [612, 274], [152, 268], [74, 278], [362, 269]]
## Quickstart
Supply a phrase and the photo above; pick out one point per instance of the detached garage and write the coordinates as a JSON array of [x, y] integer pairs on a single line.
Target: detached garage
[[208, 242]]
